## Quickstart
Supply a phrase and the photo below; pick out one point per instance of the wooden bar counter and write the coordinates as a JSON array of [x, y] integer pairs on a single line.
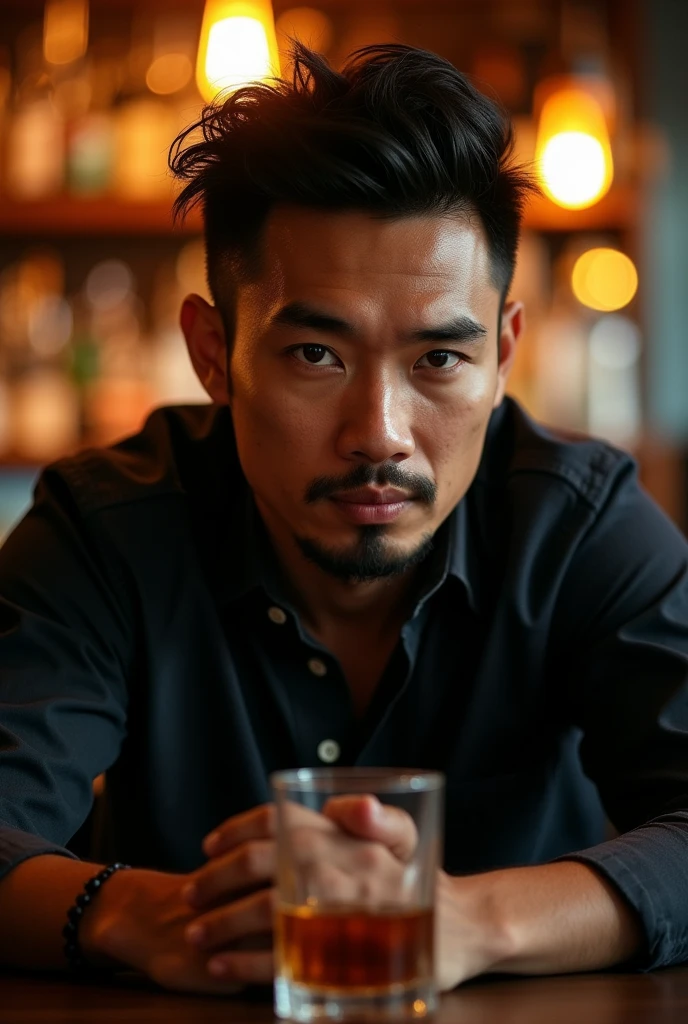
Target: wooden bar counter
[[657, 998]]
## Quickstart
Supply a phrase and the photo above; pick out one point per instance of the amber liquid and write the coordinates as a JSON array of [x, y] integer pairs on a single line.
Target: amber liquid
[[350, 948]]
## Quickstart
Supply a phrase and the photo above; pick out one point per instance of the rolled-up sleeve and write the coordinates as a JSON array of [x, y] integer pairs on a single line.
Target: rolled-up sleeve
[[65, 650], [625, 675]]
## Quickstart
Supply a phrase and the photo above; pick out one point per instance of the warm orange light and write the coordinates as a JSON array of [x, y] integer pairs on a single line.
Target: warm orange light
[[169, 73], [238, 45], [312, 27], [65, 30], [572, 152], [604, 279]]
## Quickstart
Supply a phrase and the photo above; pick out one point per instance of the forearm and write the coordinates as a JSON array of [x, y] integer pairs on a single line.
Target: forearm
[[557, 918], [34, 899]]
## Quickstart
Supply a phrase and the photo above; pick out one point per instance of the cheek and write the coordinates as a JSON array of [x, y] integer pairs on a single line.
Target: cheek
[[454, 435], [277, 438]]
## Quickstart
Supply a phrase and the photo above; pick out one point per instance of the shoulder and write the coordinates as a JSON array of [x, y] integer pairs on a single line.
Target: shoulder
[[524, 456], [176, 445]]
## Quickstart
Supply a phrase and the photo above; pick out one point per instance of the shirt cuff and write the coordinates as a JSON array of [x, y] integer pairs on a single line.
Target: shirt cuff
[[17, 846]]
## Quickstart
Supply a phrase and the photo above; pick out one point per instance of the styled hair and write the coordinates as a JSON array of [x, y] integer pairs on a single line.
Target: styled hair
[[398, 132]]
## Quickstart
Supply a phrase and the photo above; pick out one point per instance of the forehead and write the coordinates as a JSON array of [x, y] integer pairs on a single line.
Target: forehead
[[354, 251]]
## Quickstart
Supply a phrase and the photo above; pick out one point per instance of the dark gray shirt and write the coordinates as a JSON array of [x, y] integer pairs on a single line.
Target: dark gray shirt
[[144, 632]]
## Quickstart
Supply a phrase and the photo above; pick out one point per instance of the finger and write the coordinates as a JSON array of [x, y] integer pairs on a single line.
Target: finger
[[258, 823], [251, 865], [252, 915], [365, 817], [250, 968]]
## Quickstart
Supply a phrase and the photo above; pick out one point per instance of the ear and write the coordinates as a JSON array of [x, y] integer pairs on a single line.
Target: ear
[[513, 324], [207, 345]]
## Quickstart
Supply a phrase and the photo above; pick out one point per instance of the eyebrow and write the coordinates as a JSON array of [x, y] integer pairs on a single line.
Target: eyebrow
[[301, 315]]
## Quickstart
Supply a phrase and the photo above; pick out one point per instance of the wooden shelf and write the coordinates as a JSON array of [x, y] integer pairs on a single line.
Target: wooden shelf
[[103, 216], [108, 216]]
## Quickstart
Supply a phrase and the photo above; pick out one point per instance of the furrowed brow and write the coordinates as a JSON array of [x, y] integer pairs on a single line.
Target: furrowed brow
[[459, 328], [299, 315]]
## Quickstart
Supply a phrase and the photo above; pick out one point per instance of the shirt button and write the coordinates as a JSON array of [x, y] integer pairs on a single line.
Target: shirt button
[[317, 667], [277, 615], [328, 751]]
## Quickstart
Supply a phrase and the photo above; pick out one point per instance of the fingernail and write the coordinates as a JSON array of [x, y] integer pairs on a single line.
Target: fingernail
[[190, 893], [217, 967], [376, 810], [211, 843], [195, 933]]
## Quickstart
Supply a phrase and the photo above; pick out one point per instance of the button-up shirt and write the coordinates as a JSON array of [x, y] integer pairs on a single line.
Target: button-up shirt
[[145, 633]]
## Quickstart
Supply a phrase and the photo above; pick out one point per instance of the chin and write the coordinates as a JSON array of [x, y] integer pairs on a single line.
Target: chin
[[372, 555]]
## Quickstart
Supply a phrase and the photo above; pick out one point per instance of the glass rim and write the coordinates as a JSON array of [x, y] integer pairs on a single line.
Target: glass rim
[[362, 780]]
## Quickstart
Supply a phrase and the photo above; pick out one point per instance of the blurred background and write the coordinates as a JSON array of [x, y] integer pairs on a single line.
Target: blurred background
[[92, 270]]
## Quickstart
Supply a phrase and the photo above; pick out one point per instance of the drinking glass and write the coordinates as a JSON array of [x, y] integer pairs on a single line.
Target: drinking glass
[[355, 921]]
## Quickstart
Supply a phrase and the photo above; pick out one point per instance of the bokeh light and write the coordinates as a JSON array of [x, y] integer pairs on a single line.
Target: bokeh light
[[573, 169], [604, 279], [108, 284], [169, 73], [65, 30], [573, 151]]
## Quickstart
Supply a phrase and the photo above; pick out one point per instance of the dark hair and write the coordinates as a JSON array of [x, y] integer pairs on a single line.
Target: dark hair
[[398, 132]]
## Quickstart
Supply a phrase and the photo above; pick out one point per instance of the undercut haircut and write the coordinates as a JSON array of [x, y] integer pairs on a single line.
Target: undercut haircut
[[399, 132]]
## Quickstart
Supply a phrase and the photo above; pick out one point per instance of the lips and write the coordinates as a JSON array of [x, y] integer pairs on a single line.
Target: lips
[[370, 506]]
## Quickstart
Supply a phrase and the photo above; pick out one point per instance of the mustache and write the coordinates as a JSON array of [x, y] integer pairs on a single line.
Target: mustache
[[387, 475]]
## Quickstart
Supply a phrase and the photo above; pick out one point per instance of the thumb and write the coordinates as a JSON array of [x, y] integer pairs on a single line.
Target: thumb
[[366, 818]]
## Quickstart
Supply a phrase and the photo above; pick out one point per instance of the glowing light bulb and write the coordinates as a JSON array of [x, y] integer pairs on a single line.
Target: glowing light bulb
[[238, 45], [604, 279], [573, 152], [573, 168]]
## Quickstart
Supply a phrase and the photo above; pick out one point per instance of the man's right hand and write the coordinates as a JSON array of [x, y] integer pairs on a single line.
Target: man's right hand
[[138, 921]]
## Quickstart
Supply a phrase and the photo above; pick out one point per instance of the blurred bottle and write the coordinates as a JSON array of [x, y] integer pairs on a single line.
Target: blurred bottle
[[145, 125], [90, 130], [116, 391], [42, 421], [34, 167]]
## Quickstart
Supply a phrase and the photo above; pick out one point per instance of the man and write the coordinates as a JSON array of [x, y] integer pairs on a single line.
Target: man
[[360, 553]]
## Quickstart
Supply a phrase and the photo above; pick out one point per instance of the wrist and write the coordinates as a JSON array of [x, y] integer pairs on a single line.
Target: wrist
[[473, 933], [104, 918]]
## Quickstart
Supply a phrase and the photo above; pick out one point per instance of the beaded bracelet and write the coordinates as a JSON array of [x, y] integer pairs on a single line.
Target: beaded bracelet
[[70, 932]]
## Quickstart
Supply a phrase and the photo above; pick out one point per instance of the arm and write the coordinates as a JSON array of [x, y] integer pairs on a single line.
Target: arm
[[623, 679], [137, 920], [621, 675], [551, 919], [64, 651], [34, 899]]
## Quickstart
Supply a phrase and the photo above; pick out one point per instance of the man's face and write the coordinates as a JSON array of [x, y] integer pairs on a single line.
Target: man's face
[[364, 369]]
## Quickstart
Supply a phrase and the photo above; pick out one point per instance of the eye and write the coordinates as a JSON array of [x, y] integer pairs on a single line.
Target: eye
[[440, 359], [315, 355]]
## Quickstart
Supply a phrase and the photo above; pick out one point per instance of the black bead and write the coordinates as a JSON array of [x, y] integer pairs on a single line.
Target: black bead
[[72, 950]]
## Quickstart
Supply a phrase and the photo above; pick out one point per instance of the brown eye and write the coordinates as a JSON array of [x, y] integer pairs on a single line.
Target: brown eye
[[316, 355], [440, 360]]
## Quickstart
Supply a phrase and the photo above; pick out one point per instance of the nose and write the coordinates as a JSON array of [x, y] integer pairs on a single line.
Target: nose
[[375, 421]]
